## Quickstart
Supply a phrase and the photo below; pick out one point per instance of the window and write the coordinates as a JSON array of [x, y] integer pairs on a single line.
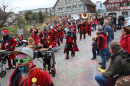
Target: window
[[60, 10], [107, 6], [81, 7], [68, 8], [52, 12], [120, 4], [115, 8], [115, 5], [48, 11], [125, 4], [112, 5], [100, 4], [74, 7], [67, 1], [128, 3], [112, 8]]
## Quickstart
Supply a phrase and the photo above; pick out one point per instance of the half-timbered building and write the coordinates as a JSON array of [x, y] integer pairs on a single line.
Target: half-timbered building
[[68, 8], [117, 7]]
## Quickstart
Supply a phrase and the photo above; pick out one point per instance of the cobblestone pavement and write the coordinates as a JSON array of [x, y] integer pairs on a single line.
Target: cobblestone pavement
[[76, 71]]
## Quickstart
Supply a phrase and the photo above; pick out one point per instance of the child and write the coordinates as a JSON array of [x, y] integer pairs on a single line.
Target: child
[[94, 48]]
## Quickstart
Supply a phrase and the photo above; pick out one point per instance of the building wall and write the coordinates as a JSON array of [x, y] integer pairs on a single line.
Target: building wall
[[100, 8], [63, 5], [46, 11], [11, 17]]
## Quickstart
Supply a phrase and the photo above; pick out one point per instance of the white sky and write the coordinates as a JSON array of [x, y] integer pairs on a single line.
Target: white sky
[[19, 5]]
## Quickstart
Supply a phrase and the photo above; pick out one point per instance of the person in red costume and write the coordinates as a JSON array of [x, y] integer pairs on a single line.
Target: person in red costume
[[26, 72], [49, 41], [60, 33], [74, 29], [70, 42], [8, 44], [34, 32], [89, 27], [82, 29]]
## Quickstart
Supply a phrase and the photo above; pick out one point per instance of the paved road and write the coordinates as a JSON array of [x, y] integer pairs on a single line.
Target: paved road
[[76, 71]]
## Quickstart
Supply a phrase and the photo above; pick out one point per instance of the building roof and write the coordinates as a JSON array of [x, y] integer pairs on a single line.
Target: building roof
[[88, 2]]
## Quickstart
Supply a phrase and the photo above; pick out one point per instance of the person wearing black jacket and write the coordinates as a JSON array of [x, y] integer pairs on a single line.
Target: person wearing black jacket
[[114, 23], [119, 22], [102, 46], [123, 19]]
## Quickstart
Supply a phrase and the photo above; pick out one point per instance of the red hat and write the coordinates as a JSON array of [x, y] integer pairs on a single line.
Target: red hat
[[5, 31]]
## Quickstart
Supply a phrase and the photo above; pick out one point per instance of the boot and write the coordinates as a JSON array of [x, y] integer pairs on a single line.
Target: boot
[[53, 72], [90, 33], [72, 54], [67, 56]]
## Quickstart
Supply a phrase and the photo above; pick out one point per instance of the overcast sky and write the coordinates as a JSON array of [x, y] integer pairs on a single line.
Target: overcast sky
[[20, 5]]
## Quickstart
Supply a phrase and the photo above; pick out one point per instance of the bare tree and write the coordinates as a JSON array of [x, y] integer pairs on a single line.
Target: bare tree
[[4, 6]]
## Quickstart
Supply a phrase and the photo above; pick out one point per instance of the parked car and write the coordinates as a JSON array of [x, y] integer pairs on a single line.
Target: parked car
[[127, 22]]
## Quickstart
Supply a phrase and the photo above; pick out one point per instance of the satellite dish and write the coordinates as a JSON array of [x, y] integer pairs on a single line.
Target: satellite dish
[[75, 16]]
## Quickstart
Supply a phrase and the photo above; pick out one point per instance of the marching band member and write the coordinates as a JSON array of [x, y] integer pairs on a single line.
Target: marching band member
[[89, 27], [9, 43], [70, 42], [74, 29], [82, 29], [34, 32]]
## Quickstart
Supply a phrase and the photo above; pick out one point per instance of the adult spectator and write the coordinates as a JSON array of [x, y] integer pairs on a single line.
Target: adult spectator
[[119, 22], [114, 23], [26, 74], [20, 32], [102, 46], [111, 25], [101, 20], [94, 23], [123, 19], [108, 31], [98, 21], [116, 66], [125, 38]]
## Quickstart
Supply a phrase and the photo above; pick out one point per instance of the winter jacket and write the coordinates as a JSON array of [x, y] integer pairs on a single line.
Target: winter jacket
[[125, 42], [102, 40], [118, 65]]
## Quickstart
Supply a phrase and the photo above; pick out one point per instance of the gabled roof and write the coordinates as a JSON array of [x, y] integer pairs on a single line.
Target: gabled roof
[[88, 2]]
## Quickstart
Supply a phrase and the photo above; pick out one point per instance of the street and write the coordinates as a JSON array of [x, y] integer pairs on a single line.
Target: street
[[76, 71]]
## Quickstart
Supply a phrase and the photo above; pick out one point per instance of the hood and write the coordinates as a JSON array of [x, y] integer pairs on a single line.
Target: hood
[[102, 32]]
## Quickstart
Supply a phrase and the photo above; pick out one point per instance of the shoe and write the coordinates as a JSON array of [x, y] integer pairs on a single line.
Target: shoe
[[14, 67], [72, 54], [93, 58], [107, 60], [100, 63], [103, 68], [67, 56]]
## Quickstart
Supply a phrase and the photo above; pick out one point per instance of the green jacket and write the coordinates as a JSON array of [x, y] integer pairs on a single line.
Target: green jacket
[[117, 65]]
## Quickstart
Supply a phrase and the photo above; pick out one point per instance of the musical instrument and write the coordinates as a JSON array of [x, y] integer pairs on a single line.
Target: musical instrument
[[84, 15], [31, 42]]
